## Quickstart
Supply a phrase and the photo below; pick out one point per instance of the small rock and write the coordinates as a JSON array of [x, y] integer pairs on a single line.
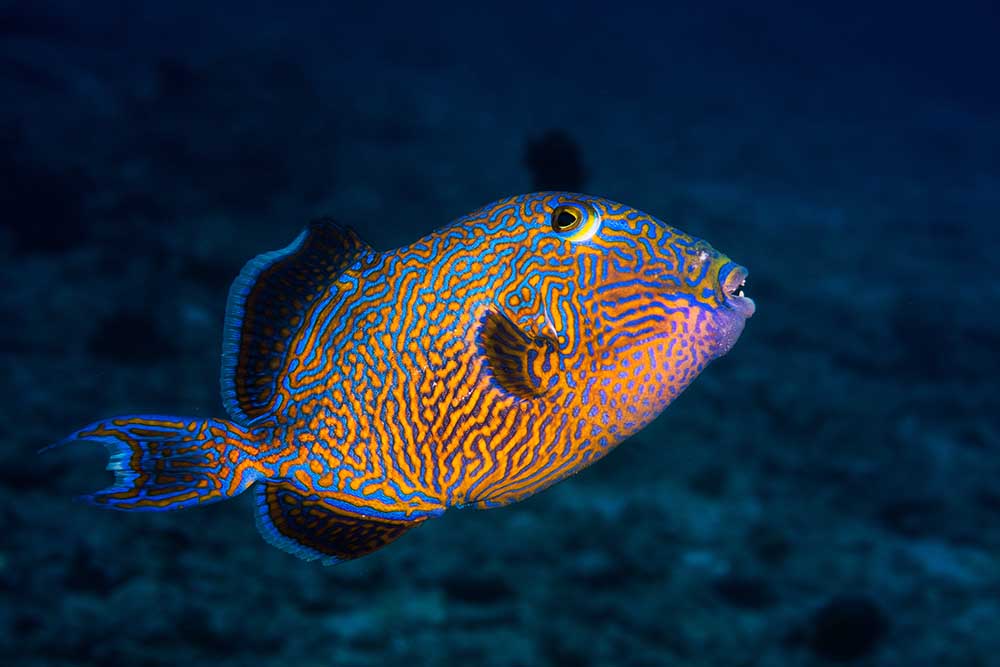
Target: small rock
[[477, 589], [913, 517], [711, 481], [745, 592], [596, 568], [769, 545], [847, 628], [85, 574]]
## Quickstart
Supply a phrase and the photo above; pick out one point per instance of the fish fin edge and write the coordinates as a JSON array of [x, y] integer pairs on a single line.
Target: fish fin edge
[[311, 528], [165, 463], [266, 309]]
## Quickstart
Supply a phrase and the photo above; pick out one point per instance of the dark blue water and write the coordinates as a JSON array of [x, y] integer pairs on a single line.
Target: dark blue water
[[826, 493]]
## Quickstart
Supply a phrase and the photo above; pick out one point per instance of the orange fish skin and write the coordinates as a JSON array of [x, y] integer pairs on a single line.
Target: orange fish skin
[[395, 407]]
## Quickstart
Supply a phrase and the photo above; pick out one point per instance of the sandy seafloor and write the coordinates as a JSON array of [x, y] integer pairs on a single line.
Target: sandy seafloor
[[826, 494]]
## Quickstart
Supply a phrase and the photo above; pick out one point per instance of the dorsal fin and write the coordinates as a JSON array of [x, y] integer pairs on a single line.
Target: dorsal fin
[[267, 306]]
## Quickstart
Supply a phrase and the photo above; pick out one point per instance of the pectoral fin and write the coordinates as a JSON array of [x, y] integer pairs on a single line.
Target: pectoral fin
[[522, 362]]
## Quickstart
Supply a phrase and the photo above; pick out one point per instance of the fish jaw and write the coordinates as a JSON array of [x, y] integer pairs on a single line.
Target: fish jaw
[[736, 308]]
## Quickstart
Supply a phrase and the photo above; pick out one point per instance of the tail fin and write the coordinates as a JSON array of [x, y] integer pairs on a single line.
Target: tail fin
[[167, 463]]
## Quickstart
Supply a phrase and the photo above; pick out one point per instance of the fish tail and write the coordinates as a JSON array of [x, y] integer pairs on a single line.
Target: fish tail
[[168, 463]]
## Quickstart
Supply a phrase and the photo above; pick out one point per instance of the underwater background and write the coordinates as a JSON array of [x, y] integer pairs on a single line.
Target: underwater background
[[825, 494]]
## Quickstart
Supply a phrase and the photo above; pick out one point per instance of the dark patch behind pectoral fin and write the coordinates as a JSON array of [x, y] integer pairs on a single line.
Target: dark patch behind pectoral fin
[[519, 363], [309, 527]]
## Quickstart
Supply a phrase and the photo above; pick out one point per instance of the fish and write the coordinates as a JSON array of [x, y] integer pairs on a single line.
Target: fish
[[368, 391]]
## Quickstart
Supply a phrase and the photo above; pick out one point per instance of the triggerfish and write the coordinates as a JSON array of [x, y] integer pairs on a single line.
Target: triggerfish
[[370, 391]]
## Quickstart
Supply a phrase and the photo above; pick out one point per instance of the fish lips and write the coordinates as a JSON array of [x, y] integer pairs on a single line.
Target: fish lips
[[734, 288], [735, 310]]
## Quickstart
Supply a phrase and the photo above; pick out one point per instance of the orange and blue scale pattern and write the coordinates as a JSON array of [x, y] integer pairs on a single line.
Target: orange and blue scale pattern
[[369, 391]]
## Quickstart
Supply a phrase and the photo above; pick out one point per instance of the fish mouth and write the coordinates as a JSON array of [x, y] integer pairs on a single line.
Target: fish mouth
[[734, 287]]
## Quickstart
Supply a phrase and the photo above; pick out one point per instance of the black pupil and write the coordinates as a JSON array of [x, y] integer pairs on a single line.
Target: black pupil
[[565, 220]]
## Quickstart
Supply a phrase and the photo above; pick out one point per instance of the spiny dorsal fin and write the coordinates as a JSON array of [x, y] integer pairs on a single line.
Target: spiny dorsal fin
[[521, 363], [267, 307]]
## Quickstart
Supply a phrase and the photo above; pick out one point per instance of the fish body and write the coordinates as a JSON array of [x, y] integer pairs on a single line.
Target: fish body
[[369, 391]]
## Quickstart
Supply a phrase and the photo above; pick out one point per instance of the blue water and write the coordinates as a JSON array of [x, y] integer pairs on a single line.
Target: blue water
[[825, 493]]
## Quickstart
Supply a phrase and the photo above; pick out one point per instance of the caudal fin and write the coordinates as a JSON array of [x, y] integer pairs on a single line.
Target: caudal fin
[[167, 463]]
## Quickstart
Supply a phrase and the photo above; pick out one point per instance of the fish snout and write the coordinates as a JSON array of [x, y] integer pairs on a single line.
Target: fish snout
[[735, 308], [733, 289]]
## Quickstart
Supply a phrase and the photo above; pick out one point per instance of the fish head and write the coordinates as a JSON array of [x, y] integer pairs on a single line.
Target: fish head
[[621, 293]]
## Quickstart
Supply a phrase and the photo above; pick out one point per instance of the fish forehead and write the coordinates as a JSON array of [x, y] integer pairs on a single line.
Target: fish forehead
[[528, 215]]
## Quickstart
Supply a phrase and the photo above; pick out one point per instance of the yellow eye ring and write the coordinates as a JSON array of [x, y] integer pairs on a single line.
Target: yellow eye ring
[[566, 219], [577, 221]]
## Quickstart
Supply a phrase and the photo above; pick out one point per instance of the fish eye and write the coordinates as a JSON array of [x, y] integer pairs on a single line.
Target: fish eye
[[575, 221], [566, 219]]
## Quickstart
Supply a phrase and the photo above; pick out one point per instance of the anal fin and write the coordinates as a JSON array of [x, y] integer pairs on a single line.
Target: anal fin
[[310, 528]]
